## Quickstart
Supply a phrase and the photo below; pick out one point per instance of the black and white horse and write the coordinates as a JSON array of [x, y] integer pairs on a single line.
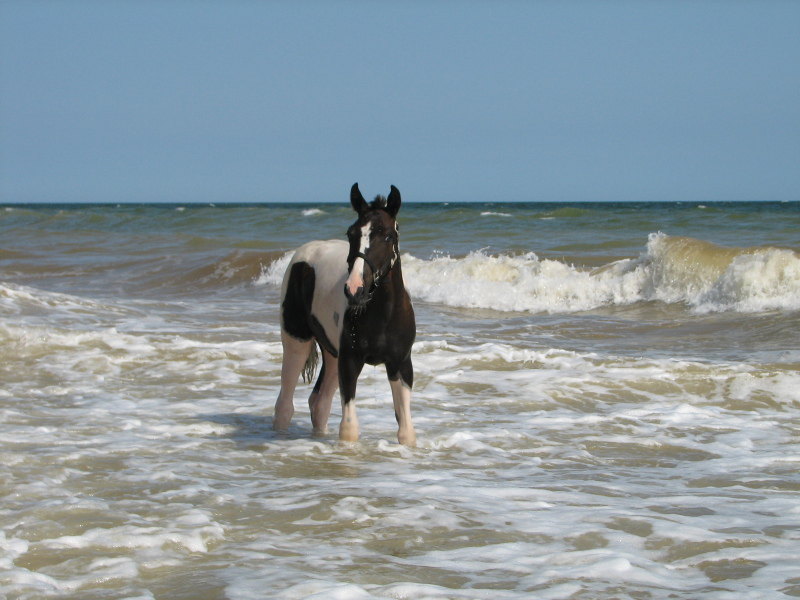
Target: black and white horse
[[349, 298]]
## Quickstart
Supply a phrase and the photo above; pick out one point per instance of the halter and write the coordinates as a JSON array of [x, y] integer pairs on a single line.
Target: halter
[[377, 274]]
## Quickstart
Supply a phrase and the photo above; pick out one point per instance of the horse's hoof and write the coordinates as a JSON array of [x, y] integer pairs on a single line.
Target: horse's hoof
[[348, 434], [407, 439], [280, 425]]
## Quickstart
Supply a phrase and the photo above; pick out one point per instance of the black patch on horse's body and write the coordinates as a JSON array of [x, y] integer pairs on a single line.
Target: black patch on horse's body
[[296, 306], [298, 320]]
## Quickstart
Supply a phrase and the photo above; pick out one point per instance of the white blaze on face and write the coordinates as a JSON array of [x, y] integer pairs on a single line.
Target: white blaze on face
[[356, 278]]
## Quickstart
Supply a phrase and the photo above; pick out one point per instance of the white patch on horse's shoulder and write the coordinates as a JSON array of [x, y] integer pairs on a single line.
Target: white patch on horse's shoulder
[[321, 252], [328, 258]]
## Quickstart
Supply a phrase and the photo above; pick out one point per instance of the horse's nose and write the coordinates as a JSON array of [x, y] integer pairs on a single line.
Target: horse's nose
[[353, 296], [351, 288], [354, 283]]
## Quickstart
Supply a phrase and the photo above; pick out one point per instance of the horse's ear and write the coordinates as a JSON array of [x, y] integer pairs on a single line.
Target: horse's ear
[[393, 202], [357, 200]]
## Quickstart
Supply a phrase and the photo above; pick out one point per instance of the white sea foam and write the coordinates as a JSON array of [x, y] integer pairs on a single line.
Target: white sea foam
[[713, 278], [673, 270], [312, 212], [191, 532], [18, 299], [767, 280], [518, 283], [541, 469], [274, 272]]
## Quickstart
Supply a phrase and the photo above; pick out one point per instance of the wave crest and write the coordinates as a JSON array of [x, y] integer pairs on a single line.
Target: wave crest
[[523, 283], [713, 278], [704, 276]]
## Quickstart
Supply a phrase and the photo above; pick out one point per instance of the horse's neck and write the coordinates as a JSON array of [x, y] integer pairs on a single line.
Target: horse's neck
[[395, 276], [389, 293]]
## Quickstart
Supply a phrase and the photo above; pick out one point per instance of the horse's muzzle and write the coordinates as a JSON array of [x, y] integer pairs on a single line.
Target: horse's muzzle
[[359, 299]]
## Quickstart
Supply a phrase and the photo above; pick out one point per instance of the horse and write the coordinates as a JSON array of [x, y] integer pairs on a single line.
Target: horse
[[348, 298]]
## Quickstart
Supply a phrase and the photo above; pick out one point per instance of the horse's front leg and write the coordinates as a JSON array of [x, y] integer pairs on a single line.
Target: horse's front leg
[[349, 369], [401, 382]]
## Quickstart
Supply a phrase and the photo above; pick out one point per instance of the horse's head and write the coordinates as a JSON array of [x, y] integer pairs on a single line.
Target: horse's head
[[373, 244]]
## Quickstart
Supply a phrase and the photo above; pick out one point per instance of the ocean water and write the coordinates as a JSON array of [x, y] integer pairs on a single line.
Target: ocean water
[[607, 401]]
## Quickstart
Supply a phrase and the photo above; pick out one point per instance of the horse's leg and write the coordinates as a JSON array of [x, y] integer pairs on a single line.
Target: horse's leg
[[349, 370], [321, 398], [295, 354], [401, 383]]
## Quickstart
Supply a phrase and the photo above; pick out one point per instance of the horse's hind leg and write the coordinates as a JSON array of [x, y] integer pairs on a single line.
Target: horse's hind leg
[[321, 398], [295, 354]]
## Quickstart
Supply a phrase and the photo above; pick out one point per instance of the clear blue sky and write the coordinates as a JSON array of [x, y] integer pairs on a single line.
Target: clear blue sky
[[214, 101]]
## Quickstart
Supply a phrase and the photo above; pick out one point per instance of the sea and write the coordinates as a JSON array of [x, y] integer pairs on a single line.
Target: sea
[[606, 398]]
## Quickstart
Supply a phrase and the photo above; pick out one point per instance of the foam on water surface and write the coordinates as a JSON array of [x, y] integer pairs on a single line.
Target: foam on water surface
[[534, 468], [582, 433], [706, 277]]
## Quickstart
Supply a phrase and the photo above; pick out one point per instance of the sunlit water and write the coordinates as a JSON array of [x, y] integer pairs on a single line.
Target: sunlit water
[[607, 400]]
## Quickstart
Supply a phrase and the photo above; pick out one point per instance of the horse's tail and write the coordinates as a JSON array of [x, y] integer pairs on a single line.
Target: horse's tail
[[311, 364]]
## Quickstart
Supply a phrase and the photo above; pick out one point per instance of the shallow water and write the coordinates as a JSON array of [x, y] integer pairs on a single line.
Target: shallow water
[[603, 410]]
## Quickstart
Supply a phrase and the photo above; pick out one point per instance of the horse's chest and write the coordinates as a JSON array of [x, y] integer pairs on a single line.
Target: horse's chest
[[364, 345], [373, 346]]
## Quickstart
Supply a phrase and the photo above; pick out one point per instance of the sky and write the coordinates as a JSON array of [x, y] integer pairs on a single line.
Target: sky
[[273, 101]]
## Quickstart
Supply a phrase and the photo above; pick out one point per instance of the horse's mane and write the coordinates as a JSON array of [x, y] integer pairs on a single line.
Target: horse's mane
[[379, 202]]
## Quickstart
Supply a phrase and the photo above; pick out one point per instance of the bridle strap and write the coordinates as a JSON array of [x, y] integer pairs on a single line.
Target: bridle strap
[[377, 275], [370, 264]]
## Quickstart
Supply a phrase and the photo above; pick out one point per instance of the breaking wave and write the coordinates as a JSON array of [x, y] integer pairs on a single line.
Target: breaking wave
[[234, 269], [704, 276]]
